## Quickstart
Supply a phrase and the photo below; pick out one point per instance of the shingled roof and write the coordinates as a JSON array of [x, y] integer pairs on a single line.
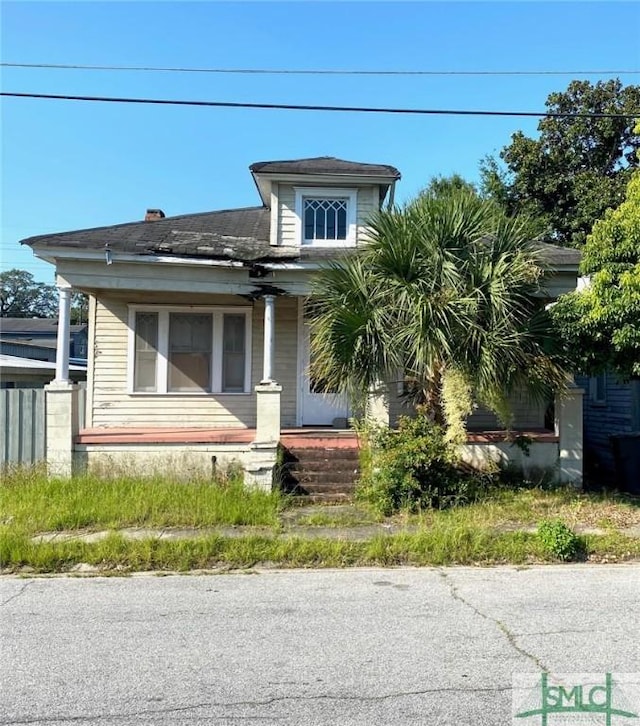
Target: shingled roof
[[324, 165], [240, 235], [231, 234]]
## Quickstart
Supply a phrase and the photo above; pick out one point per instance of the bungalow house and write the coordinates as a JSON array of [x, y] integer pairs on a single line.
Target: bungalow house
[[198, 344]]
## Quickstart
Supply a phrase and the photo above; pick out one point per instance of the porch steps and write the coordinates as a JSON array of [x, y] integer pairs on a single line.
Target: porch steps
[[323, 469]]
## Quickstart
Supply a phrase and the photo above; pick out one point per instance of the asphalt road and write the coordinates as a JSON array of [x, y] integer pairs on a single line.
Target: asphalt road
[[367, 646]]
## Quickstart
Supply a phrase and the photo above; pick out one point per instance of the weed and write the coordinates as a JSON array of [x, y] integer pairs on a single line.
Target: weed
[[559, 540], [415, 467]]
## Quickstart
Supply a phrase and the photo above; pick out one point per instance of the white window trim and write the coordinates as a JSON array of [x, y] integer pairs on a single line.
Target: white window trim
[[351, 195], [162, 370], [593, 390]]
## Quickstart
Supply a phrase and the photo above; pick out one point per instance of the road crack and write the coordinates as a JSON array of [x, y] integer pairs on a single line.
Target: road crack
[[511, 637], [264, 702], [17, 594]]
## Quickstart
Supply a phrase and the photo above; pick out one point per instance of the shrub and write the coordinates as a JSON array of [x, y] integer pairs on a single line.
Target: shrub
[[559, 540], [414, 467]]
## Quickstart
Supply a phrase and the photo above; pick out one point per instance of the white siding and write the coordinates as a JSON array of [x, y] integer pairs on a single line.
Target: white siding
[[112, 405], [367, 205], [287, 215]]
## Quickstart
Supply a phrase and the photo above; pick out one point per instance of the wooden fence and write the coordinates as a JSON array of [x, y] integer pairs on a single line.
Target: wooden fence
[[23, 436]]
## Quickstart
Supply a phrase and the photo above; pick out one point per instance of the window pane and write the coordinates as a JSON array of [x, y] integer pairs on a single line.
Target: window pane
[[342, 222], [331, 223], [190, 343], [233, 353], [146, 352], [309, 221], [320, 228]]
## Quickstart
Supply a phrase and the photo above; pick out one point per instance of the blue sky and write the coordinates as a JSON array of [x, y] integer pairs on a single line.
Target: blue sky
[[73, 165]]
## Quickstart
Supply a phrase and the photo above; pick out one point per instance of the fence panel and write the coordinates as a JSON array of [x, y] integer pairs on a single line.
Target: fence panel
[[22, 425]]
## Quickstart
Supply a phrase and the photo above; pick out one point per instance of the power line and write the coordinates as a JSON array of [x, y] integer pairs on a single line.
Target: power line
[[314, 72], [309, 107]]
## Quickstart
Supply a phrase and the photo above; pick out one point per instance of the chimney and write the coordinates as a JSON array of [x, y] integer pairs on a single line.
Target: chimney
[[153, 214]]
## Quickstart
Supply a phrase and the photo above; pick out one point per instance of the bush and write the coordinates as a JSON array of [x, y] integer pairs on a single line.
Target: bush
[[414, 467], [559, 540]]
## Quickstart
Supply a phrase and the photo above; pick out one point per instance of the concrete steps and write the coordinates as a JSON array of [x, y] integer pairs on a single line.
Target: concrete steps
[[322, 472]]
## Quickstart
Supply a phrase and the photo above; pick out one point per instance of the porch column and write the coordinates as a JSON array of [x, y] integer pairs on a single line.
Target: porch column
[[568, 429], [64, 319], [269, 328], [61, 427], [378, 405], [264, 448]]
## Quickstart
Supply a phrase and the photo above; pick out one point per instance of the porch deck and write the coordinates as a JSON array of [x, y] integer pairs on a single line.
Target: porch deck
[[309, 437]]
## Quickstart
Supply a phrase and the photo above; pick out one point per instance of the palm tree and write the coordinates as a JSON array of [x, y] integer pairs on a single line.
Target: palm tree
[[448, 291]]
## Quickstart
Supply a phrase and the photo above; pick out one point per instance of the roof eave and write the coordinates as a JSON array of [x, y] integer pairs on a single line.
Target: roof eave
[[264, 179]]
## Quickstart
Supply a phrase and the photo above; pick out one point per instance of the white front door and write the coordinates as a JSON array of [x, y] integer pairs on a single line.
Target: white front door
[[317, 406]]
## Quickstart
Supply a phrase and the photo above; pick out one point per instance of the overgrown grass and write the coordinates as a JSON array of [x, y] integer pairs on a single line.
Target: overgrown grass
[[504, 507], [440, 547], [478, 533], [31, 503]]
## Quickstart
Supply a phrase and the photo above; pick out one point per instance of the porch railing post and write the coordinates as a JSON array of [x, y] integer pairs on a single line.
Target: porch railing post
[[269, 338], [568, 429], [64, 329]]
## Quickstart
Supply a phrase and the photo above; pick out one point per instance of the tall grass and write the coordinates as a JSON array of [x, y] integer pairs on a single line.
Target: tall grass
[[115, 554], [32, 503]]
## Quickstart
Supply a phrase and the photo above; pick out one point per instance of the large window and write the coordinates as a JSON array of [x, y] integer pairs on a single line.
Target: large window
[[190, 350], [326, 217]]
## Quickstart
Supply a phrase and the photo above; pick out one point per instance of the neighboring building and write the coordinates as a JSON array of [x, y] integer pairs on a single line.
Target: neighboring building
[[37, 338], [197, 327], [29, 373], [611, 408]]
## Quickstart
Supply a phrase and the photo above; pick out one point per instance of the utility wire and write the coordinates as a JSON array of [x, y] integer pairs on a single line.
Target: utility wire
[[305, 107], [314, 72]]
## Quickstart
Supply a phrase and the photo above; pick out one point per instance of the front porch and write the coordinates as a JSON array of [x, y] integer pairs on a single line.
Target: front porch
[[126, 426], [320, 462]]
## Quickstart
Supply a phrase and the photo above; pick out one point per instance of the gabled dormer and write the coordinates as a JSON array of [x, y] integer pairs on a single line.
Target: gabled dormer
[[322, 202]]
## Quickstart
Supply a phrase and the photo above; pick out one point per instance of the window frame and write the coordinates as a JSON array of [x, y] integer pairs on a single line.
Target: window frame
[[351, 197], [162, 359], [593, 389]]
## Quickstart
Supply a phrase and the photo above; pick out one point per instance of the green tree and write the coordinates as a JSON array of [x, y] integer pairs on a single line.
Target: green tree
[[79, 308], [22, 297], [446, 292], [600, 324], [576, 168], [444, 184]]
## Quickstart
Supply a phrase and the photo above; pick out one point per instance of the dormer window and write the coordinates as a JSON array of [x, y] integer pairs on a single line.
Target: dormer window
[[326, 217]]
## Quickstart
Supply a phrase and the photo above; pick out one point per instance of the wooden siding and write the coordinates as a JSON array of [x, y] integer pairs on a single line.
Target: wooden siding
[[367, 204], [112, 405], [526, 415], [287, 215], [618, 414]]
